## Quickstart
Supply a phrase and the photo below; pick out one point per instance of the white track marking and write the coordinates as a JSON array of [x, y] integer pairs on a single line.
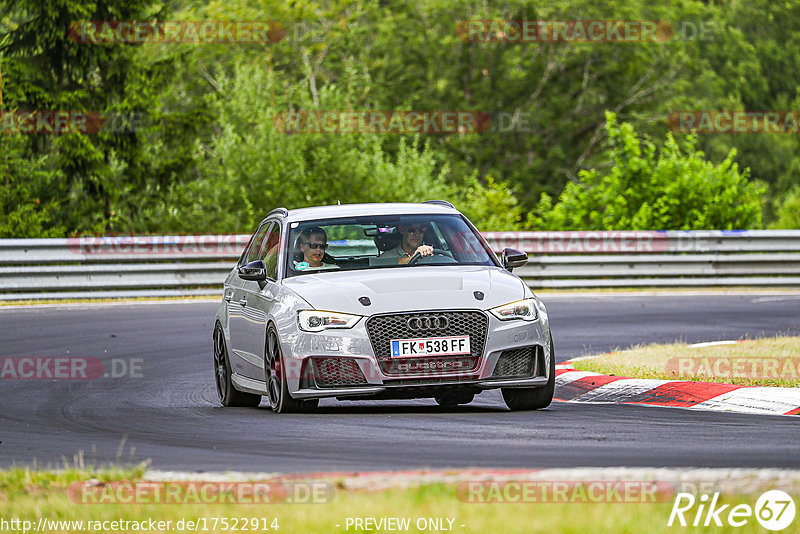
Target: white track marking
[[775, 299], [712, 344], [620, 390], [760, 400], [565, 378]]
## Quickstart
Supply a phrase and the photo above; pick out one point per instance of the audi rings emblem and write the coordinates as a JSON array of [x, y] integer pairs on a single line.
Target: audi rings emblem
[[428, 322]]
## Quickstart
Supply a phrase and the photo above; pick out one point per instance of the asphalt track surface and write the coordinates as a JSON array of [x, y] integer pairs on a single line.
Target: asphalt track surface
[[170, 416]]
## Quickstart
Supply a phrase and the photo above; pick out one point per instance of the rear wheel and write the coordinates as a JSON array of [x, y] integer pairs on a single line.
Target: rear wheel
[[454, 399], [275, 378], [533, 398], [227, 394]]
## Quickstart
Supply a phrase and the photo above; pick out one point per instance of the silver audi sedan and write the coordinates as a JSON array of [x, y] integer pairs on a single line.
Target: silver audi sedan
[[378, 301]]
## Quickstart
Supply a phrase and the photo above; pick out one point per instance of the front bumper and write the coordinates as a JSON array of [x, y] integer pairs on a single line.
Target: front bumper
[[357, 391], [354, 344]]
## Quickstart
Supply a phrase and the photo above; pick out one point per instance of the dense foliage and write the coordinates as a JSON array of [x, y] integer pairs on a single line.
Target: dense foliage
[[646, 188], [209, 158]]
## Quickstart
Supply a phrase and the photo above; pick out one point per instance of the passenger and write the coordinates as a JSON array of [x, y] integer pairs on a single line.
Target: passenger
[[411, 244], [312, 243]]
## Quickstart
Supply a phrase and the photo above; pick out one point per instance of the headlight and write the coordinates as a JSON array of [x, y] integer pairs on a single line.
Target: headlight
[[316, 321], [521, 309]]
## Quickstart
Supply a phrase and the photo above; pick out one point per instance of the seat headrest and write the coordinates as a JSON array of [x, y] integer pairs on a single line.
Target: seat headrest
[[387, 240]]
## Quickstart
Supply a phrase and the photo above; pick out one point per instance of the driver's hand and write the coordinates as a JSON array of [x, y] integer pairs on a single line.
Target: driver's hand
[[422, 250], [425, 250]]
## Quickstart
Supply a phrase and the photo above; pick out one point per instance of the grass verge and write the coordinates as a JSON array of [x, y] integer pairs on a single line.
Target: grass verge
[[759, 362], [30, 495]]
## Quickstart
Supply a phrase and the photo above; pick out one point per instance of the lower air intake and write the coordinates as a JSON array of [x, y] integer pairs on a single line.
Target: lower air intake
[[517, 363], [337, 372]]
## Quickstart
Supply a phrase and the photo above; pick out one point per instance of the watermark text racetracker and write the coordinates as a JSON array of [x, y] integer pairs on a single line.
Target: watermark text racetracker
[[734, 122], [138, 32], [755, 367], [596, 242], [566, 491], [44, 122], [406, 122], [202, 492], [381, 122], [582, 31], [69, 368], [102, 32], [184, 245]]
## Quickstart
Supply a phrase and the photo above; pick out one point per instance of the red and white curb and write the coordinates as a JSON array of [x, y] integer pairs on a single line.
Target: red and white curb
[[584, 386]]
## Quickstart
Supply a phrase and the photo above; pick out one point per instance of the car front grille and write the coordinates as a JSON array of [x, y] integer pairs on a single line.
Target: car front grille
[[517, 363], [382, 329], [335, 372]]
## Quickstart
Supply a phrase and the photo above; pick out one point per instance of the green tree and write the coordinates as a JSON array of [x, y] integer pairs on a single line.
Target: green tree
[[45, 70], [26, 207], [209, 152], [645, 188], [788, 211], [249, 165]]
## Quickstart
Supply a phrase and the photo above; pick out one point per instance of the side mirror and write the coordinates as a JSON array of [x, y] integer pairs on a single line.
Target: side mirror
[[513, 258], [255, 271]]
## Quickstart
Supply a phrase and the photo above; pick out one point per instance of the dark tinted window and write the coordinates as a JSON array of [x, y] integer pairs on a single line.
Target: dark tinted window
[[371, 242]]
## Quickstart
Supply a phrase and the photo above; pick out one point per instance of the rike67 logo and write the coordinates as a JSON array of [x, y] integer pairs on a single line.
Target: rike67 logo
[[774, 510]]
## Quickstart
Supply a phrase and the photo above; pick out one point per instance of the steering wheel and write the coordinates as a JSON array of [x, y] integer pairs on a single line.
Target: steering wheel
[[436, 252]]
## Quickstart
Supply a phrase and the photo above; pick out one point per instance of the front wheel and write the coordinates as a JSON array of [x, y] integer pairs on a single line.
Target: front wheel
[[533, 398], [275, 378], [227, 394]]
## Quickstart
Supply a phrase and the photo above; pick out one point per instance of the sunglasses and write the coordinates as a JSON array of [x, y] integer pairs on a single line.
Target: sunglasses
[[417, 230], [315, 246]]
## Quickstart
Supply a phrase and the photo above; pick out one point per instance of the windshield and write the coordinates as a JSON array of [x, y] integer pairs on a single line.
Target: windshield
[[381, 241]]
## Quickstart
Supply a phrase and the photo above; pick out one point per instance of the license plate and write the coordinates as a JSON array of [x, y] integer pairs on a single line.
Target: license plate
[[430, 346]]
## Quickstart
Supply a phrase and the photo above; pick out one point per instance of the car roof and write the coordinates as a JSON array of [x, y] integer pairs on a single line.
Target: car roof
[[352, 210]]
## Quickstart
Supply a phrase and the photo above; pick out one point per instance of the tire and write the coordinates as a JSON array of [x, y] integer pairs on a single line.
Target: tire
[[275, 379], [518, 399], [454, 399], [228, 395]]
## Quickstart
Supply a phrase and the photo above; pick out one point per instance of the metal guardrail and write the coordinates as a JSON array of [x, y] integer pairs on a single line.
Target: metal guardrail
[[147, 266], [755, 258]]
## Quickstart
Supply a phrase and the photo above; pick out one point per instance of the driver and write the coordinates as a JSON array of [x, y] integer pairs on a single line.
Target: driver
[[413, 234]]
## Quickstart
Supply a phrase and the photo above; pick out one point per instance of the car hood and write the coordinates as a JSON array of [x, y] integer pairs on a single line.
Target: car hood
[[408, 289]]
